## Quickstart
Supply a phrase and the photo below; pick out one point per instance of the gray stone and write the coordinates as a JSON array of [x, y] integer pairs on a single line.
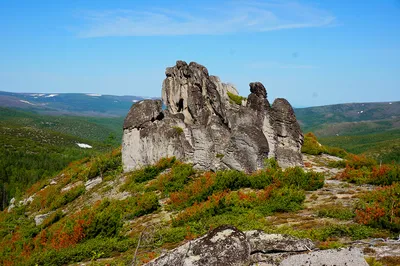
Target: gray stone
[[93, 182], [271, 249], [224, 245], [12, 204], [332, 257], [145, 111], [201, 123], [40, 218]]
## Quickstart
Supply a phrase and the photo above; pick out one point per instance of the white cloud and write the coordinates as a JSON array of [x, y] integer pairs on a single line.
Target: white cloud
[[232, 17]]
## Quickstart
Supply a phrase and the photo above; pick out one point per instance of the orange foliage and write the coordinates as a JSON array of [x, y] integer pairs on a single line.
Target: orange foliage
[[193, 190]]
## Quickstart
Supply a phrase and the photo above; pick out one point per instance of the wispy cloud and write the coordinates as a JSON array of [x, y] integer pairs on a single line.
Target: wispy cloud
[[232, 17], [279, 65]]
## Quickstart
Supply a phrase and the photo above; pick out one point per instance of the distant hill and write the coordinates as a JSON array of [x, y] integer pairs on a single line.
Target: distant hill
[[35, 146], [371, 128], [70, 103], [86, 127], [349, 118]]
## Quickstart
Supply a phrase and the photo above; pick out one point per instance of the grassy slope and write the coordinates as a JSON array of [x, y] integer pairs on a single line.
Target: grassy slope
[[383, 146]]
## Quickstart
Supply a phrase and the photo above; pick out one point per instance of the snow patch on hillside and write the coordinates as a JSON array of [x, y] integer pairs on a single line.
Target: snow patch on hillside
[[50, 95], [83, 145], [23, 101], [93, 94]]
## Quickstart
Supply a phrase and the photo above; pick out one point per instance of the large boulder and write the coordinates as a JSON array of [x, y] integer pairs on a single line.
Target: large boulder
[[227, 245], [223, 246], [203, 126]]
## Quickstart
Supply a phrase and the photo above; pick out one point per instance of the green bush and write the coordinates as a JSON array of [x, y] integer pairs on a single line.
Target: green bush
[[67, 197], [283, 200], [230, 179], [175, 179], [148, 173], [236, 98], [262, 178], [338, 212], [311, 145], [105, 163], [178, 130], [107, 220], [298, 178], [81, 252], [146, 203]]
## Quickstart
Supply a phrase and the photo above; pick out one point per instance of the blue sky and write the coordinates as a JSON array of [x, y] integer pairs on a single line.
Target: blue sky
[[310, 52]]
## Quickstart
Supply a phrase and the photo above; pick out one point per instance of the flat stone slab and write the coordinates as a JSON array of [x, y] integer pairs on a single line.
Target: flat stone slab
[[332, 257]]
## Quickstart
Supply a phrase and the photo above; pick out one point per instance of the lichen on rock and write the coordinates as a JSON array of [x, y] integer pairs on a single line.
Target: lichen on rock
[[211, 124]]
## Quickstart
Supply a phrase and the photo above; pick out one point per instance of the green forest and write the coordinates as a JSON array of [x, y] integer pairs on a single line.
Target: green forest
[[37, 146]]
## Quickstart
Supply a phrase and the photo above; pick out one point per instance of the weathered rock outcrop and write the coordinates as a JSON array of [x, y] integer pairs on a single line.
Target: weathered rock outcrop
[[226, 245], [203, 126]]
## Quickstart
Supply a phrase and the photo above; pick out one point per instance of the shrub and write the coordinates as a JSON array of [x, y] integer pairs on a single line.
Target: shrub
[[376, 175], [147, 173], [196, 191], [298, 178], [175, 179], [106, 221], [230, 179], [53, 218], [178, 130], [262, 178], [359, 161], [311, 145], [81, 252], [380, 208], [105, 163], [67, 197], [235, 98], [338, 212], [338, 152], [271, 163], [146, 203]]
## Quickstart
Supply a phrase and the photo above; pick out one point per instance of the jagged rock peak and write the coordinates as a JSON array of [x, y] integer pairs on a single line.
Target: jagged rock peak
[[258, 89], [217, 130]]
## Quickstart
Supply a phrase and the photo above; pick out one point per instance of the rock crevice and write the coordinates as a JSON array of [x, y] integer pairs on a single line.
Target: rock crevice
[[203, 126]]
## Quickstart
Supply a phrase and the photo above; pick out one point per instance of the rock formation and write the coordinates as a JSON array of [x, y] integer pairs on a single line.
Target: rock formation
[[205, 126], [226, 245]]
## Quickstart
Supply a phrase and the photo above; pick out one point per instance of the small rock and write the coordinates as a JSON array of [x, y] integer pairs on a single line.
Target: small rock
[[93, 182], [40, 218], [71, 186], [27, 201], [12, 204]]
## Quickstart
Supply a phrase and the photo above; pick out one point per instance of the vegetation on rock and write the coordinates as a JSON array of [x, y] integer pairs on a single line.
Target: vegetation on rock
[[236, 98]]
